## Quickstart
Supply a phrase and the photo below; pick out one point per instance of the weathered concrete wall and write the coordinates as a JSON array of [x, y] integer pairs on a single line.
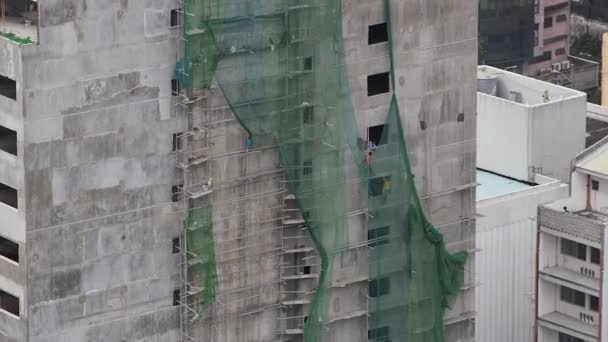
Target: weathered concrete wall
[[99, 171], [13, 275]]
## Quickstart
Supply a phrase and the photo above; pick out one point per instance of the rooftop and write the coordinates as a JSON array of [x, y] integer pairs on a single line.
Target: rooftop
[[520, 89], [594, 160], [494, 185]]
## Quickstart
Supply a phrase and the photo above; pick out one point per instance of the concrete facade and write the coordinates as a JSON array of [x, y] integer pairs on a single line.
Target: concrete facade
[[95, 173]]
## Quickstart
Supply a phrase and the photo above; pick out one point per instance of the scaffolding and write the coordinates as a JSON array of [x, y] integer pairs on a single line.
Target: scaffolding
[[338, 213]]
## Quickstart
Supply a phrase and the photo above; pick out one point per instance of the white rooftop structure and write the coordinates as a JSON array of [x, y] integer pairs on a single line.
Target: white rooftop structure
[[526, 126]]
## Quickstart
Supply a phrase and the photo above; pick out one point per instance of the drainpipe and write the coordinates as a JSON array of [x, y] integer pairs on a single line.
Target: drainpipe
[[599, 315], [588, 206], [537, 262]]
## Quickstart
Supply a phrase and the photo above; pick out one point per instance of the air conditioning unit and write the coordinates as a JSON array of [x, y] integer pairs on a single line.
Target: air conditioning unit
[[566, 65], [556, 67]]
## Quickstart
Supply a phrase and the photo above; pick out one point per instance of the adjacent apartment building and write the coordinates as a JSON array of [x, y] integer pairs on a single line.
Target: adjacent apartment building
[[533, 38], [571, 242], [145, 197]]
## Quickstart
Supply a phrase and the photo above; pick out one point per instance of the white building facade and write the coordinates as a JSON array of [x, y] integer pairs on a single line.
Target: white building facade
[[571, 245]]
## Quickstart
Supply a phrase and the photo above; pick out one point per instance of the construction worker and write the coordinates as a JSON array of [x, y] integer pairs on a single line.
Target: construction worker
[[386, 187]]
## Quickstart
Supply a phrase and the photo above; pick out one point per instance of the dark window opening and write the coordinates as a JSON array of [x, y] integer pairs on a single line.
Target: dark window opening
[[175, 245], [594, 303], [177, 142], [8, 87], [595, 256], [567, 338], [377, 135], [378, 236], [571, 296], [548, 22], [377, 34], [175, 17], [174, 86], [9, 249], [175, 192], [379, 334], [9, 303], [176, 295], [379, 186], [306, 269], [307, 63], [378, 84], [307, 167], [595, 185], [561, 18], [8, 140], [574, 249], [8, 195], [309, 114], [379, 287]]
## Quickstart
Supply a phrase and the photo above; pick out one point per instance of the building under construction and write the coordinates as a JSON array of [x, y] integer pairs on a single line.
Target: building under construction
[[237, 170]]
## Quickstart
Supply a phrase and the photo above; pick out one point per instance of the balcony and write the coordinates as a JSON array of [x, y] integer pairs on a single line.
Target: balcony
[[564, 277], [571, 326]]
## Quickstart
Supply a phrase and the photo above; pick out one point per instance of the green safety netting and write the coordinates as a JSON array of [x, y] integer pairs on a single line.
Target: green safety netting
[[281, 67], [201, 255]]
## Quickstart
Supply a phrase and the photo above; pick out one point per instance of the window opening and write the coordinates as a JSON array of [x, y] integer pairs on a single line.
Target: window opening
[[9, 303], [8, 195], [594, 303], [377, 34], [177, 141], [595, 256], [9, 249], [176, 295], [307, 63], [175, 17], [377, 135], [378, 236], [574, 249], [8, 87], [307, 167], [175, 245], [571, 296], [8, 140], [308, 117], [175, 192], [378, 84], [379, 287]]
